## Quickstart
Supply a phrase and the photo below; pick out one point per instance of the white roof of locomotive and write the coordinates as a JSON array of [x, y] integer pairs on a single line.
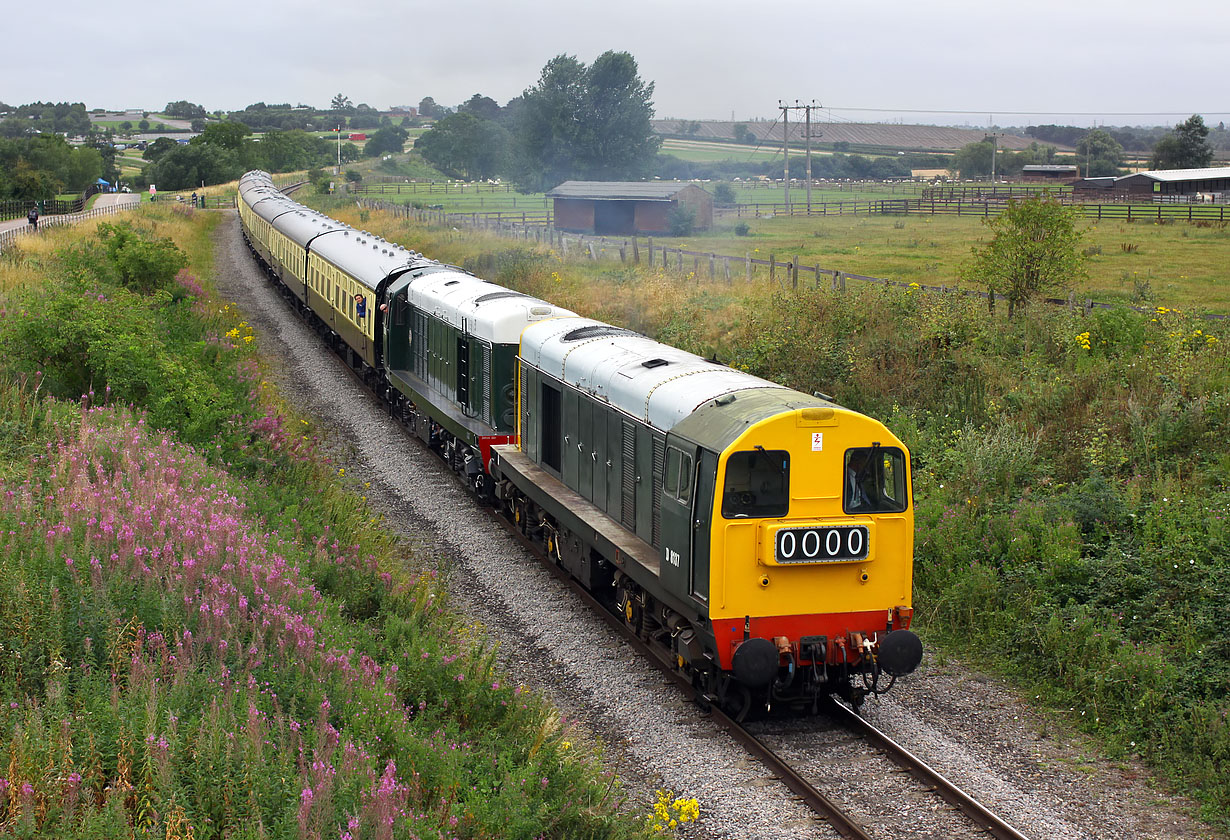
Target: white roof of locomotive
[[303, 225], [610, 363], [490, 312]]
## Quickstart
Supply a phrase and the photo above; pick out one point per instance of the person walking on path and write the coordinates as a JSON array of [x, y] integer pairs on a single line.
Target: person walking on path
[[32, 218]]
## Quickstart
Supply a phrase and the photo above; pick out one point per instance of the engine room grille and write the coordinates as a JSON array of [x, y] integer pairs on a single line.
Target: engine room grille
[[628, 488], [659, 466]]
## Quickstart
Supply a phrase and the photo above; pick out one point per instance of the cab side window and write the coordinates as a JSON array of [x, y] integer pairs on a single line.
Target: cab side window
[[677, 481]]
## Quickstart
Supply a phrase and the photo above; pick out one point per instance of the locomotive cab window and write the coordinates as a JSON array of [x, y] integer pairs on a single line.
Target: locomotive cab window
[[757, 484], [874, 480], [677, 480]]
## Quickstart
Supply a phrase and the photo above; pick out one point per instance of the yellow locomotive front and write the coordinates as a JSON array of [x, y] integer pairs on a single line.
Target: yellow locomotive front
[[811, 555]]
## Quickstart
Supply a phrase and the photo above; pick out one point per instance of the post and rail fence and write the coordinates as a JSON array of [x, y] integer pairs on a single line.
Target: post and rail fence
[[784, 272]]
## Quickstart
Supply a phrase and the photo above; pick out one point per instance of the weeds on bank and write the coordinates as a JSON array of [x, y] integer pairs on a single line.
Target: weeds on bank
[[204, 633]]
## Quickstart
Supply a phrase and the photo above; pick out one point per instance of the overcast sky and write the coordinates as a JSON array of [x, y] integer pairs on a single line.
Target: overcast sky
[[1131, 62]]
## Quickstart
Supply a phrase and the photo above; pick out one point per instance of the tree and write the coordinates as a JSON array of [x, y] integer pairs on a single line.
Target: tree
[[194, 164], [143, 125], [428, 107], [198, 124], [974, 160], [391, 140], [1187, 147], [340, 102], [183, 109], [465, 145], [724, 195], [584, 122], [483, 107], [1034, 248], [154, 151], [1101, 153], [229, 134], [743, 134]]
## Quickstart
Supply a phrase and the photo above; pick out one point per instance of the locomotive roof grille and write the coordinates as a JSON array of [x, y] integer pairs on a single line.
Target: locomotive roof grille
[[496, 296], [593, 331]]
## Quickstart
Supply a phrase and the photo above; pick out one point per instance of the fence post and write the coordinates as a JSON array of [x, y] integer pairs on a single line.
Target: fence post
[[636, 252], [772, 268], [748, 259], [651, 252], [623, 252], [712, 258], [794, 272], [726, 264]]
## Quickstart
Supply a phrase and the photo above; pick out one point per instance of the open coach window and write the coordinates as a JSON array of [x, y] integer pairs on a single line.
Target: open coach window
[[875, 480], [757, 484]]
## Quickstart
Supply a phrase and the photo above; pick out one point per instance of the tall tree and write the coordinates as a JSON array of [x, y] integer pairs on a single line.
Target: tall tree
[[584, 122], [1034, 248], [183, 109], [428, 107], [463, 144], [340, 102], [483, 107], [1101, 154], [1187, 147]]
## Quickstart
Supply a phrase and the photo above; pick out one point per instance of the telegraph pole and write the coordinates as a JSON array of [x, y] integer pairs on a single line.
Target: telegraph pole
[[786, 148], [806, 109]]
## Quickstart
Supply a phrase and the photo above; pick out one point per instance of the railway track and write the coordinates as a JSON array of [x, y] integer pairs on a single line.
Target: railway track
[[979, 821]]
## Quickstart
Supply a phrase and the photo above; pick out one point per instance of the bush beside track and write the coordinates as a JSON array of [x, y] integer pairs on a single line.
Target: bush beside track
[[1072, 473], [205, 632]]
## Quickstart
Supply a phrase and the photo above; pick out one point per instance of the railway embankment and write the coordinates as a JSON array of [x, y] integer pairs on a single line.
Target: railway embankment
[[207, 630]]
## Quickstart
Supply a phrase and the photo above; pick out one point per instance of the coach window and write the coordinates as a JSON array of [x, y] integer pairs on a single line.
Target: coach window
[[757, 484]]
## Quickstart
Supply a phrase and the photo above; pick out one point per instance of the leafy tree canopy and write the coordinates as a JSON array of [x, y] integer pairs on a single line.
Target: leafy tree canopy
[[340, 102], [428, 107], [584, 122], [1101, 154], [465, 145], [228, 134], [483, 107], [388, 140], [184, 110], [1187, 147]]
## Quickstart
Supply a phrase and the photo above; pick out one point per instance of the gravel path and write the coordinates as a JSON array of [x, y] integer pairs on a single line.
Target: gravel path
[[966, 727]]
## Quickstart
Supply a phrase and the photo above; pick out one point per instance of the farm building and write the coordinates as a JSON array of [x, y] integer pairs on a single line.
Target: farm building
[[1049, 173], [1212, 183], [627, 207]]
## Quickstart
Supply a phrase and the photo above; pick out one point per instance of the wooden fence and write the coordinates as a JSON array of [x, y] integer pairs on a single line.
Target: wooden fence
[[695, 266], [985, 208]]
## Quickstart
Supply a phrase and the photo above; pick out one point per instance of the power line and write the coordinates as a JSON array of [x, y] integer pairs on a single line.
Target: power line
[[1029, 113]]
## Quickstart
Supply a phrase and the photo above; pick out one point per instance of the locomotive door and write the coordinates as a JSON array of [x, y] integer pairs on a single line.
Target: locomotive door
[[702, 522], [678, 479]]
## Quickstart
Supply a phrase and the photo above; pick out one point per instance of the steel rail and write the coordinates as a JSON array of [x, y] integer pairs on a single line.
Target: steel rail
[[983, 817]]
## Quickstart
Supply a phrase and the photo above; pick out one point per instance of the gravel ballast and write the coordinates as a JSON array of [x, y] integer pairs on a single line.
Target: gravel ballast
[[969, 728]]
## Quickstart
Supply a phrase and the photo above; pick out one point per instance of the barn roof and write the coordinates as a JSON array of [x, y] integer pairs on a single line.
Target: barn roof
[[1208, 173], [608, 190], [1048, 167]]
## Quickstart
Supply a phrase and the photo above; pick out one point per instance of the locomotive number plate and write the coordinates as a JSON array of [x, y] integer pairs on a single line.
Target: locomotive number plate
[[820, 545]]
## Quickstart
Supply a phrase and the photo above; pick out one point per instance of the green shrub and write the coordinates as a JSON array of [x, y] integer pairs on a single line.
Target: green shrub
[[144, 263]]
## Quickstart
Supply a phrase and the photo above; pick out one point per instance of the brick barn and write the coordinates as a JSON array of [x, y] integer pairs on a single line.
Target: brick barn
[[623, 208]]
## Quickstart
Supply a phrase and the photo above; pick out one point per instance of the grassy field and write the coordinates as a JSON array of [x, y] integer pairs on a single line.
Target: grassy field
[[1177, 265], [702, 151]]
